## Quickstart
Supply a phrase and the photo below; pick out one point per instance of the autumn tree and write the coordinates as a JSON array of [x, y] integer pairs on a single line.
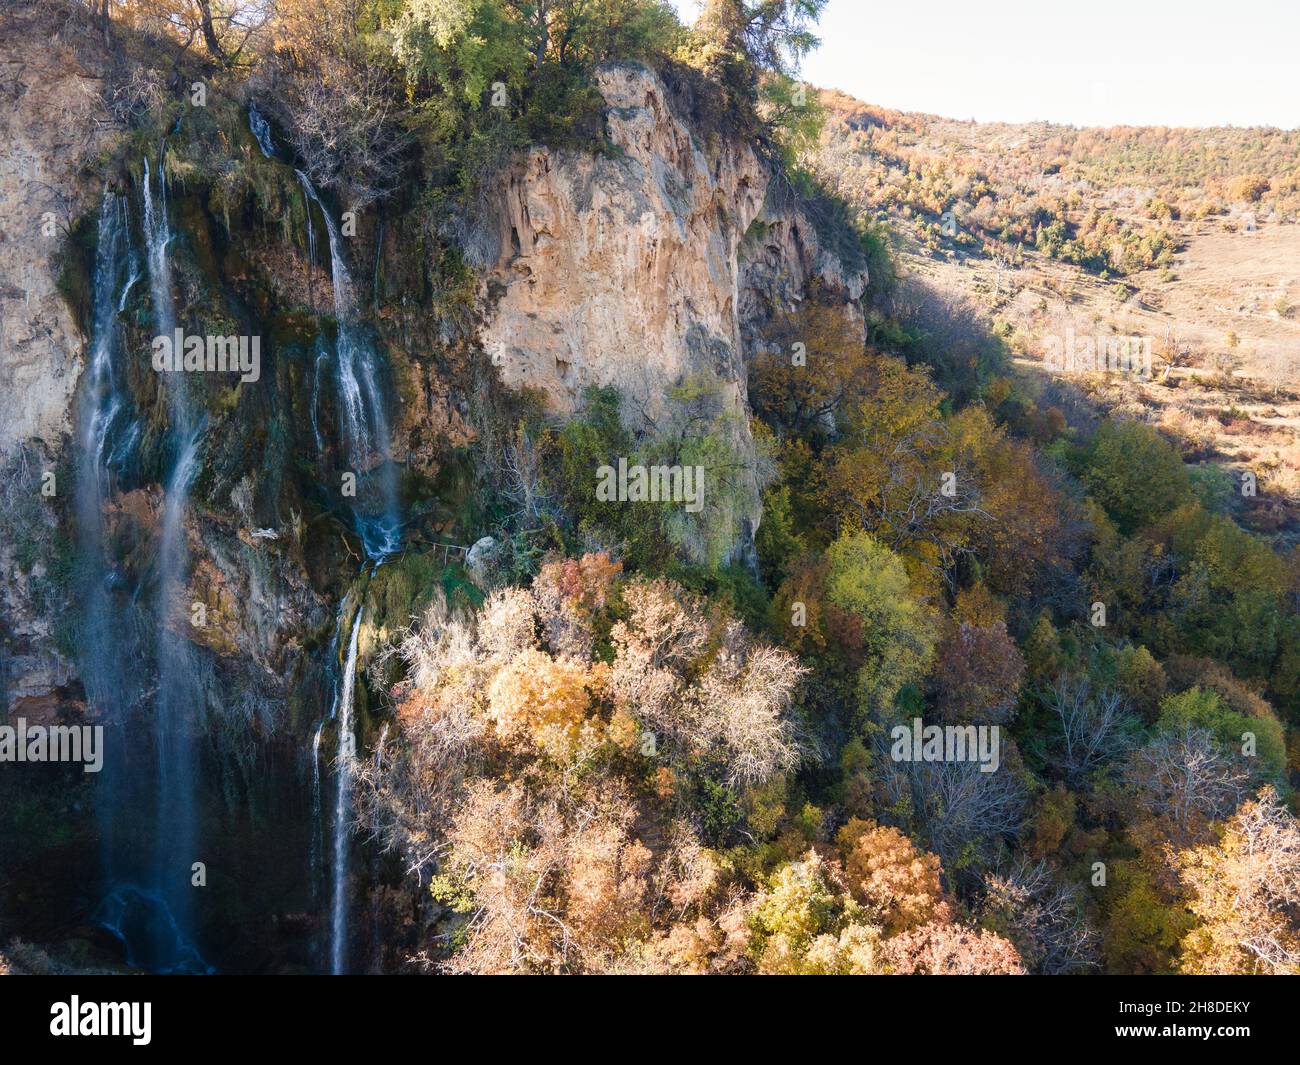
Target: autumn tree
[[343, 114], [804, 923], [548, 700], [1183, 780], [869, 582], [1255, 735], [544, 886], [897, 885], [738, 707], [807, 366], [1034, 530], [221, 28], [1246, 893], [946, 949], [1043, 917], [1143, 921], [570, 593], [904, 472], [977, 674], [1227, 601]]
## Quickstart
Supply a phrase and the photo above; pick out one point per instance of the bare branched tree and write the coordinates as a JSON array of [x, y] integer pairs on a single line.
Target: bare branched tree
[[955, 806], [521, 478], [1044, 918], [344, 121], [1090, 729], [1186, 777], [1173, 353], [744, 697]]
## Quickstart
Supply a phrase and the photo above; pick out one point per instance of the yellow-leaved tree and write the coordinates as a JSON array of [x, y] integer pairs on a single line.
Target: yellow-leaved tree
[[1246, 893]]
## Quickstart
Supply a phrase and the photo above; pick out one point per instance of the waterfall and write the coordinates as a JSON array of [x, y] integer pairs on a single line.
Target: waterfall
[[311, 266], [176, 700], [315, 399], [341, 712], [146, 904], [105, 438], [157, 235], [362, 407], [311, 236], [103, 406], [103, 398], [365, 443], [177, 697], [141, 918], [261, 130], [343, 768], [317, 842]]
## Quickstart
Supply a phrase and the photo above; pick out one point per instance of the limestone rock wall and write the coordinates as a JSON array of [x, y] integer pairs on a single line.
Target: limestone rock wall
[[49, 102], [635, 270], [641, 268]]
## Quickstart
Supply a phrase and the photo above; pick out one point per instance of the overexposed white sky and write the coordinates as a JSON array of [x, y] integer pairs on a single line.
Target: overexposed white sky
[[1084, 63]]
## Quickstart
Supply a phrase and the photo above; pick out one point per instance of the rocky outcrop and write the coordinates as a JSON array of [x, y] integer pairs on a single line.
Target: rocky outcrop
[[634, 269], [49, 102], [48, 105], [644, 266], [782, 260], [621, 270]]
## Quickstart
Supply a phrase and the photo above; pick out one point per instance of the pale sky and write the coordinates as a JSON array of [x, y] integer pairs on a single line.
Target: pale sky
[[1089, 63]]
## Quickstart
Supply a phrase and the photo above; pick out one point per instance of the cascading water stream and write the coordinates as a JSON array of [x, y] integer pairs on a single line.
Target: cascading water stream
[[317, 842], [157, 235], [261, 130], [343, 707], [146, 902], [102, 408], [362, 407], [315, 399], [363, 418], [104, 440], [174, 845], [317, 835]]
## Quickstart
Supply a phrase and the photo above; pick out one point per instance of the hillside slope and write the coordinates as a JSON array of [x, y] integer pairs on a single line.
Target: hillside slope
[[1187, 238]]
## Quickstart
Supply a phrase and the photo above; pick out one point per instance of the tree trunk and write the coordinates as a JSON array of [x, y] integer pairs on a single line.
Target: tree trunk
[[209, 32], [543, 34]]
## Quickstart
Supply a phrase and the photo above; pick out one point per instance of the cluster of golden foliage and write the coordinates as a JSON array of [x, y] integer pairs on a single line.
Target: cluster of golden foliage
[[1245, 889], [898, 885], [543, 739], [875, 905], [885, 440], [547, 699]]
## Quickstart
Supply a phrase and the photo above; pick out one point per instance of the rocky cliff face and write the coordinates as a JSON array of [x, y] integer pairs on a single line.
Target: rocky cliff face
[[48, 106], [647, 266], [640, 269], [636, 268]]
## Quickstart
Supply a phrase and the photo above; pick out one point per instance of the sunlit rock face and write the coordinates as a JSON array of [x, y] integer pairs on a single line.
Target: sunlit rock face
[[46, 126], [646, 266], [622, 271]]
